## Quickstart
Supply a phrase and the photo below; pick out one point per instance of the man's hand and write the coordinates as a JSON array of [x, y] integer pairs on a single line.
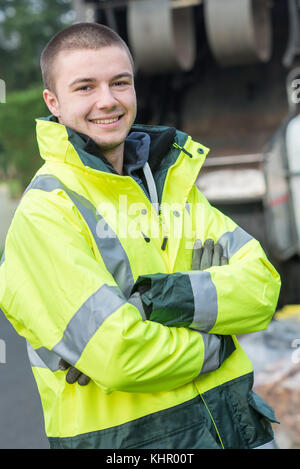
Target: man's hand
[[208, 255], [161, 286], [73, 374]]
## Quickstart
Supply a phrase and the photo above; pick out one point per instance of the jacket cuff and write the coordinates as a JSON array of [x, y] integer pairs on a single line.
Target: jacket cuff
[[136, 301], [217, 348]]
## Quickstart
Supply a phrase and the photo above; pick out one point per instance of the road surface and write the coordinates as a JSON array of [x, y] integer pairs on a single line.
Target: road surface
[[7, 208], [21, 417]]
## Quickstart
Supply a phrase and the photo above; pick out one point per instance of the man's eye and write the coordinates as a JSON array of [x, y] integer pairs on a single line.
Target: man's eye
[[84, 88], [121, 83]]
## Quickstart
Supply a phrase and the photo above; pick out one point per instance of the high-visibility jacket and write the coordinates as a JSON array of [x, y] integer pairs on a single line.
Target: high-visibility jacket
[[80, 239]]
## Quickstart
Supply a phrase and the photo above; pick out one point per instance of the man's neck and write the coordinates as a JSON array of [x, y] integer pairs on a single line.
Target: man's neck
[[115, 157]]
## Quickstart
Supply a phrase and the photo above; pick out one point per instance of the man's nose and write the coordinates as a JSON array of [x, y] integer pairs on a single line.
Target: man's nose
[[105, 98]]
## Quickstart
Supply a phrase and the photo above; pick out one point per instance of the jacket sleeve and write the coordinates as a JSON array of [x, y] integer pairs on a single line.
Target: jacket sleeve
[[237, 298], [240, 297], [62, 299]]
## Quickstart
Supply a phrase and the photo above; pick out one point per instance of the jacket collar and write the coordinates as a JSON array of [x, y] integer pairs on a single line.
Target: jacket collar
[[59, 142]]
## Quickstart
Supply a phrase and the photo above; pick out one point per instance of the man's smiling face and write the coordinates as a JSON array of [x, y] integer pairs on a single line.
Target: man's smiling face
[[95, 95]]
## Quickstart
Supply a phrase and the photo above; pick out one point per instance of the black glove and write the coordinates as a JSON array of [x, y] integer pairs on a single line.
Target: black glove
[[73, 374]]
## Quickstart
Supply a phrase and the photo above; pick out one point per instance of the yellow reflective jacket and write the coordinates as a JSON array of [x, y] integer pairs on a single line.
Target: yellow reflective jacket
[[80, 239]]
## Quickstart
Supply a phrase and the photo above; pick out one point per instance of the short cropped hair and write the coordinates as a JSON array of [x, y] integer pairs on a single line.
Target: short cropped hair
[[78, 36]]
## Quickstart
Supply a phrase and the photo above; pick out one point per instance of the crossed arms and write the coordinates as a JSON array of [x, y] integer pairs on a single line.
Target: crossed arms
[[62, 299]]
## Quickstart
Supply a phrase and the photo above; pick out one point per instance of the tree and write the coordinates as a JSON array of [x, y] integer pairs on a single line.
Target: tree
[[25, 28], [19, 155]]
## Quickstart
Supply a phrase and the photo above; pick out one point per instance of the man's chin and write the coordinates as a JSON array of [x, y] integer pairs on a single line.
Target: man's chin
[[107, 147]]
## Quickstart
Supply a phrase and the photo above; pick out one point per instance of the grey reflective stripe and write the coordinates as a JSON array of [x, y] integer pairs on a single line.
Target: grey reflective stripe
[[232, 241], [86, 321], [204, 290], [110, 248], [211, 352], [45, 182], [205, 300], [80, 329], [42, 358]]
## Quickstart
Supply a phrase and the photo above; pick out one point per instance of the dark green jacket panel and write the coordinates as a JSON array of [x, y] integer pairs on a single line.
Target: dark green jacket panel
[[183, 426], [242, 420], [241, 416]]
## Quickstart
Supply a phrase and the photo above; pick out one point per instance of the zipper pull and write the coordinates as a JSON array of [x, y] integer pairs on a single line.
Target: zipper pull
[[146, 238], [164, 243], [175, 145]]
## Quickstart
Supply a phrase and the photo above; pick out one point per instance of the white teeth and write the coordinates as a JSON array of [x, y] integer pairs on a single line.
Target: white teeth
[[105, 121]]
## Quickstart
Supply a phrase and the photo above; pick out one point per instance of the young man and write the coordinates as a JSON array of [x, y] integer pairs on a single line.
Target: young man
[[113, 265]]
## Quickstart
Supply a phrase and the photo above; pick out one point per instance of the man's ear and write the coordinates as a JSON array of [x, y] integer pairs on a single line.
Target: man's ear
[[51, 102]]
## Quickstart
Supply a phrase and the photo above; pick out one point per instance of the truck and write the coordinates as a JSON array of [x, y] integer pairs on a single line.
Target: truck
[[227, 73]]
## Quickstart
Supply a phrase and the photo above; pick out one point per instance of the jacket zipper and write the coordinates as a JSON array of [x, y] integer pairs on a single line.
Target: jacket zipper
[[175, 145], [165, 235]]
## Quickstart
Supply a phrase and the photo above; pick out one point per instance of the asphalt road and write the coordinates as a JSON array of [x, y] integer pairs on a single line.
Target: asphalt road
[[21, 417], [7, 208]]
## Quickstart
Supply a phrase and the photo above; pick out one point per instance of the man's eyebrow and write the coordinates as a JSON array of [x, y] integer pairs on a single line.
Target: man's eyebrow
[[81, 80], [91, 80], [123, 75]]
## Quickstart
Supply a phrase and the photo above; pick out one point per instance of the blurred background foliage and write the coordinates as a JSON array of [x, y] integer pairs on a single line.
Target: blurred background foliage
[[25, 28], [19, 155]]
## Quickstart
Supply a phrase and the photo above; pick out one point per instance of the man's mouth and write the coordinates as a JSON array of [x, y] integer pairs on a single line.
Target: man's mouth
[[105, 121]]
